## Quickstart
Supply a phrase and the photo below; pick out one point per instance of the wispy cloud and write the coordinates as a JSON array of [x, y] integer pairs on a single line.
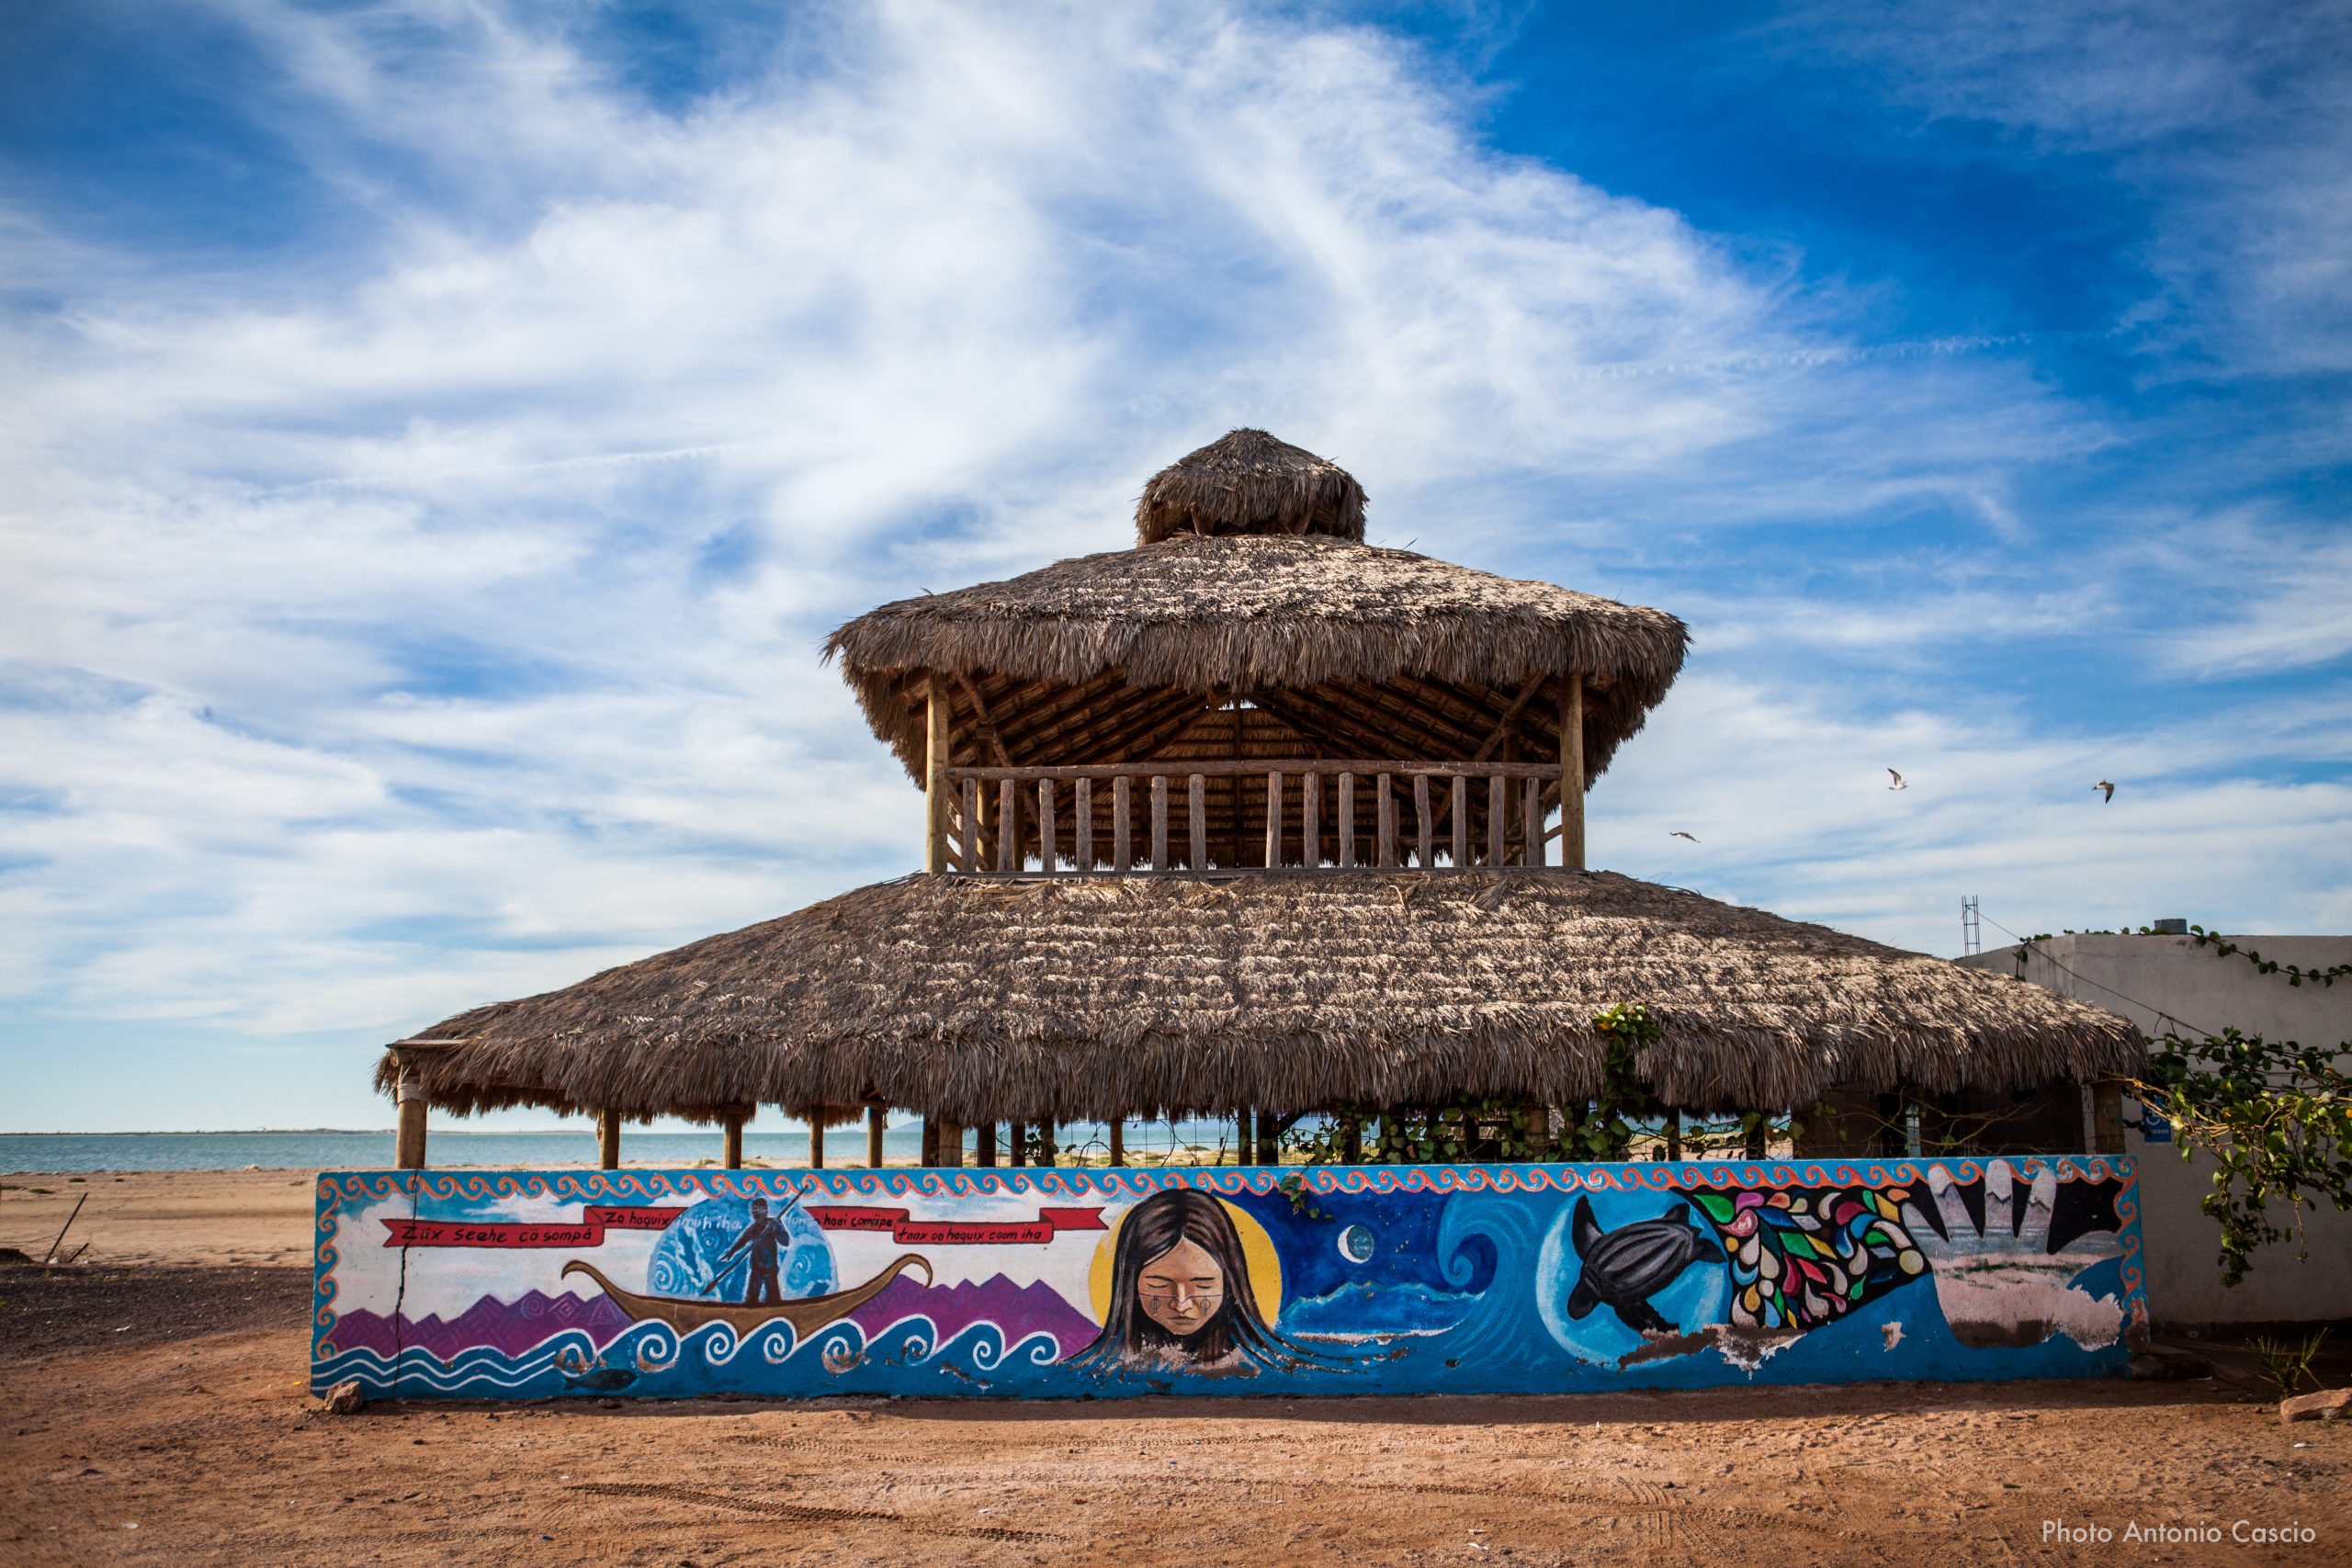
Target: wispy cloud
[[430, 616]]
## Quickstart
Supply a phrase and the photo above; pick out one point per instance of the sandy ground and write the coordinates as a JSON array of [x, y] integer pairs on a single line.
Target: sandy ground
[[210, 1217], [151, 1409]]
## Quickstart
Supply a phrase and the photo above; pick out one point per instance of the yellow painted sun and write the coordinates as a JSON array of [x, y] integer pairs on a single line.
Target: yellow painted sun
[[1257, 1251]]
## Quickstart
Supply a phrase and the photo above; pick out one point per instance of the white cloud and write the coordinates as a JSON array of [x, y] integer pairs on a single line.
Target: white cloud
[[499, 547]]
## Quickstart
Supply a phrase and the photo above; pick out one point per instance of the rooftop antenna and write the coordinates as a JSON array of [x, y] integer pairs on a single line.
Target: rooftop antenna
[[1970, 939]]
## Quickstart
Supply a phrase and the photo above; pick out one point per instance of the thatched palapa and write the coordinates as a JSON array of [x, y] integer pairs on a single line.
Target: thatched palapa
[[1108, 997], [1235, 719]]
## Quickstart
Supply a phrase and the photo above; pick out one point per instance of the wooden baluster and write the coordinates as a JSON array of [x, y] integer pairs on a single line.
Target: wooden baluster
[[1421, 817], [1310, 820], [1387, 803], [1572, 775], [1122, 825], [1008, 827], [1196, 819], [1532, 798], [1461, 822], [1049, 857], [1159, 821], [1347, 821], [1497, 820], [971, 824], [1273, 819], [1083, 806]]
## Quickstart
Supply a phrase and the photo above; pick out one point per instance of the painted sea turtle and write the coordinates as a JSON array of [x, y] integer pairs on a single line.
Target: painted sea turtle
[[1624, 1268]]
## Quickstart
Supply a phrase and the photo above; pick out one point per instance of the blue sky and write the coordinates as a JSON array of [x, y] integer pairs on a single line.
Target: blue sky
[[439, 435]]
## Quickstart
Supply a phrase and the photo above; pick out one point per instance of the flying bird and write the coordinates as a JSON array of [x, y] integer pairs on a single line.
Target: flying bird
[[1679, 833], [2106, 786], [1898, 782]]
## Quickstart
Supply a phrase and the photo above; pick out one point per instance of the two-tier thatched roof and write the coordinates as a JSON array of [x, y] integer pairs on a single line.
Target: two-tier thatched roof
[[1068, 998], [1252, 591]]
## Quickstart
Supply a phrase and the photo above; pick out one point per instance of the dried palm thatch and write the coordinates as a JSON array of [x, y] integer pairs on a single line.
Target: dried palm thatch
[[1081, 660], [1065, 999], [1248, 483]]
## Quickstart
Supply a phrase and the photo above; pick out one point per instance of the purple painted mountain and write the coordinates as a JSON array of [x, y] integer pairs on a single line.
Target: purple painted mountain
[[1018, 1310], [511, 1327]]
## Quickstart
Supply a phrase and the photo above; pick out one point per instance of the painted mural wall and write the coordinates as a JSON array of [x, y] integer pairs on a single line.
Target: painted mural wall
[[1072, 1282]]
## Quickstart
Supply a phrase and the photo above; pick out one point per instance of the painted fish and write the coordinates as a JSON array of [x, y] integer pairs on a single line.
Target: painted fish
[[1624, 1268], [604, 1379]]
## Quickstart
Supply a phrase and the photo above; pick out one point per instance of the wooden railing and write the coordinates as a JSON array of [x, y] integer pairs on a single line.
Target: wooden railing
[[1208, 815]]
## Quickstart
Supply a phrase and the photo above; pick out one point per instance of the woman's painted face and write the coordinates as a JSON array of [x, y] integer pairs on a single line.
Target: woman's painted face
[[1181, 1289]]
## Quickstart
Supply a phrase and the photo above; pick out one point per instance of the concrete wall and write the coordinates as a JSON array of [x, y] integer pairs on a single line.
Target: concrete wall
[[2164, 983], [1333, 1280]]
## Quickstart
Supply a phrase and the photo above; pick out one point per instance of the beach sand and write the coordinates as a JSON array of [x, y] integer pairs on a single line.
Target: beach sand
[[162, 1388]]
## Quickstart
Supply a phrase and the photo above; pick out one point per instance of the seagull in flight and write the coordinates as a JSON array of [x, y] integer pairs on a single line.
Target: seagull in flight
[[2106, 786], [1679, 833], [1898, 782]]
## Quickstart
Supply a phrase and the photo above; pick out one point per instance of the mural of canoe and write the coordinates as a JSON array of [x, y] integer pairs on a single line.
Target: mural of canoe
[[806, 1315]]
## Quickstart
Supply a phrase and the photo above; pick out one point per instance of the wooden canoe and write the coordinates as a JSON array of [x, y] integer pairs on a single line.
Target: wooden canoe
[[806, 1315]]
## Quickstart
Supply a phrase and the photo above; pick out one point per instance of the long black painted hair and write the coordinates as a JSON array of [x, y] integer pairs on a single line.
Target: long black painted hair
[[1129, 1335]]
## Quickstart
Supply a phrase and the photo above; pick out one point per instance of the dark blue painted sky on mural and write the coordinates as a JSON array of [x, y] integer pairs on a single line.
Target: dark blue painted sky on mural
[[439, 437]]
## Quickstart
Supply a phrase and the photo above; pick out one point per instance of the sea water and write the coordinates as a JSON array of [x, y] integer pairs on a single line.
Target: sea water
[[328, 1149]]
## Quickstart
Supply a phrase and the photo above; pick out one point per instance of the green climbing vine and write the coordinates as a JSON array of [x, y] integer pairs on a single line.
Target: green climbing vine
[[2296, 974], [2274, 1117], [2213, 941]]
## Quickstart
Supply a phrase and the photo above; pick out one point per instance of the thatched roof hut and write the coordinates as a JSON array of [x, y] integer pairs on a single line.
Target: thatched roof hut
[[1104, 998], [1256, 723]]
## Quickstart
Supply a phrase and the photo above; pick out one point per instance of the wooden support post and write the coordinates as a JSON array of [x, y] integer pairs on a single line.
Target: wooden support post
[[1196, 819], [1159, 821], [1122, 825], [730, 1143], [1310, 820], [816, 1141], [934, 781], [1351, 1139], [1020, 1143], [409, 1144], [971, 824], [1118, 1142], [929, 1156], [1347, 821], [950, 1149], [1461, 821], [1273, 819], [1048, 853], [877, 1119], [1497, 820], [1758, 1139], [2107, 1117], [1082, 807], [1245, 1134], [1048, 1150], [1572, 775], [984, 1154], [1531, 797], [1421, 818], [608, 1139], [1673, 1134], [1008, 827], [1387, 803]]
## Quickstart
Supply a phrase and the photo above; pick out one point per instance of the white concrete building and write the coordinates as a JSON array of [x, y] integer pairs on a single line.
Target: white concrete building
[[2170, 983]]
